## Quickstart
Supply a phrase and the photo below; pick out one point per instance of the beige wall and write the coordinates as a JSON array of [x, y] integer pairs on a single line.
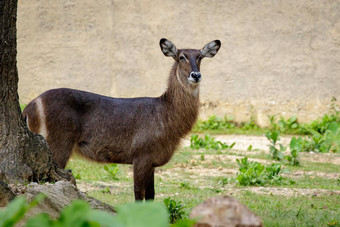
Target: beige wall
[[277, 57]]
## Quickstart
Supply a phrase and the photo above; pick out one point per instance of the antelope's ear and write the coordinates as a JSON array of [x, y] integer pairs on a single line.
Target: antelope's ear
[[211, 49], [168, 48]]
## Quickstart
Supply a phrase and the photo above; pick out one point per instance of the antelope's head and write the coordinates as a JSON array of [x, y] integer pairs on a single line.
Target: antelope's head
[[189, 60]]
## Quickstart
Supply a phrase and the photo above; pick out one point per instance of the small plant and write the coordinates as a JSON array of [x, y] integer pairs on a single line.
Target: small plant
[[16, 210], [329, 141], [79, 213], [175, 210], [254, 173], [224, 181], [112, 170], [184, 185], [216, 123], [208, 143], [295, 149], [106, 190], [277, 153], [333, 223], [202, 157], [249, 125], [77, 176]]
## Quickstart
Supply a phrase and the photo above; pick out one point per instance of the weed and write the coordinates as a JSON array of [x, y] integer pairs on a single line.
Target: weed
[[216, 190], [16, 210], [202, 157], [112, 170], [249, 125], [295, 149], [106, 190], [329, 141], [224, 181], [273, 137], [333, 223], [185, 185], [79, 213], [214, 123], [175, 210], [77, 176], [208, 143], [254, 173]]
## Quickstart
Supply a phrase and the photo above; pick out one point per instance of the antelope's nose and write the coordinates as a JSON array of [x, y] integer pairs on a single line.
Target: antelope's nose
[[196, 76]]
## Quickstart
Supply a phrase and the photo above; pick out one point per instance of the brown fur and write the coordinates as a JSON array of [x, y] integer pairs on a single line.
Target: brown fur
[[34, 122], [141, 131]]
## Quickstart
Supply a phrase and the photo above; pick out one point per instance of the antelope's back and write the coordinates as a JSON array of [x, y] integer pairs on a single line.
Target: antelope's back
[[57, 110]]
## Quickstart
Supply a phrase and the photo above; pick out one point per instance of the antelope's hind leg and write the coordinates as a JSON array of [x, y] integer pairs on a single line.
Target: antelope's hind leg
[[61, 151]]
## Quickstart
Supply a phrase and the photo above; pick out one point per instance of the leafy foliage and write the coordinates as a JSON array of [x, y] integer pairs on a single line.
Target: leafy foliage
[[79, 214], [254, 173], [175, 210], [277, 153], [208, 143], [112, 170], [295, 149], [16, 210], [216, 123], [323, 143], [287, 126]]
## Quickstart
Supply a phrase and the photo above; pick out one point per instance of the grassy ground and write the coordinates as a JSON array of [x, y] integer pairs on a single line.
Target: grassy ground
[[195, 175]]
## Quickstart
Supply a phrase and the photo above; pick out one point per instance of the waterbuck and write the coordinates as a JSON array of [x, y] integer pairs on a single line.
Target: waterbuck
[[141, 131]]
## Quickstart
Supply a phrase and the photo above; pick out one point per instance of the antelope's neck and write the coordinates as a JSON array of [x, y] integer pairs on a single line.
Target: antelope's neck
[[181, 104]]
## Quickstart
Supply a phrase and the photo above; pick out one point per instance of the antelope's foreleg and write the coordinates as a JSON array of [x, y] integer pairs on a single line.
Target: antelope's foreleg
[[143, 174]]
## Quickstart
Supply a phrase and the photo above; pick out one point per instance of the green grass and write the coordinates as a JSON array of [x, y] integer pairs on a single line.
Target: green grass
[[191, 180], [22, 106], [281, 210]]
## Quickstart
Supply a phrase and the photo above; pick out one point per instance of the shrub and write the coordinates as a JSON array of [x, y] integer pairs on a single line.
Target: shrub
[[78, 213], [295, 149], [254, 173], [208, 143], [273, 137], [175, 210]]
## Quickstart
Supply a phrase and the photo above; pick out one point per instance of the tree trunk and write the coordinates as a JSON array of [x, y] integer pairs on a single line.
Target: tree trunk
[[24, 156]]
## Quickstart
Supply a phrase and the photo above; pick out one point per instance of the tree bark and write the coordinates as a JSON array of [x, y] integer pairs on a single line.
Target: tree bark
[[24, 156]]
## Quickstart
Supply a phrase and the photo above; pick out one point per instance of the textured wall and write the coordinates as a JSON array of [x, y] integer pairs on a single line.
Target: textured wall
[[277, 57]]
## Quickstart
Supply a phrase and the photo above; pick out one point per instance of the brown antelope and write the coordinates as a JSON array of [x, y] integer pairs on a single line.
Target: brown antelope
[[141, 131]]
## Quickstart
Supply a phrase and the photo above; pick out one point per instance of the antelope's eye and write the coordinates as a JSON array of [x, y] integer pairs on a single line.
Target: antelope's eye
[[181, 57]]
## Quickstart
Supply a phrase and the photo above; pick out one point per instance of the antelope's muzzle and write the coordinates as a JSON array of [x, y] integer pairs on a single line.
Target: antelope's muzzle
[[195, 77]]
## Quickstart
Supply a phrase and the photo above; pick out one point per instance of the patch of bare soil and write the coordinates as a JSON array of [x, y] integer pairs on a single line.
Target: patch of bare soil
[[228, 158], [100, 185], [318, 157], [288, 191], [312, 174]]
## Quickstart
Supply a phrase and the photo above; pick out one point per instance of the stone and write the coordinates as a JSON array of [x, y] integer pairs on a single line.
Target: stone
[[224, 211], [58, 196]]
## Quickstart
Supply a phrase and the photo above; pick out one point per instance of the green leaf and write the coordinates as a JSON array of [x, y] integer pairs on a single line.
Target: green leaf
[[150, 214]]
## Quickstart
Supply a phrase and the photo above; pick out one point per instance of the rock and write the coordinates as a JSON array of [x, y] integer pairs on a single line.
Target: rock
[[224, 212], [61, 194], [58, 195]]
